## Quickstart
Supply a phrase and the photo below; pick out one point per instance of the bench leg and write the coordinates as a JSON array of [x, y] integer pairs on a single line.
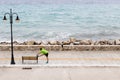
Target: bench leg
[[37, 60], [22, 60]]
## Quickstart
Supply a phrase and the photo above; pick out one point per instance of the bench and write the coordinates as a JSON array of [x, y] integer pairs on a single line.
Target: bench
[[29, 58]]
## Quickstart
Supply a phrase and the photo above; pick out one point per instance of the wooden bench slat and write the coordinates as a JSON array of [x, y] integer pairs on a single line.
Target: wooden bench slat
[[29, 58]]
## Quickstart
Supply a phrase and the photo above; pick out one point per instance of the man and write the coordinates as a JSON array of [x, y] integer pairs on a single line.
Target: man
[[43, 52]]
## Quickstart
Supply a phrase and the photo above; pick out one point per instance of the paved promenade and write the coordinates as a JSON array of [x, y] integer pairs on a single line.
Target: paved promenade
[[63, 65], [79, 58]]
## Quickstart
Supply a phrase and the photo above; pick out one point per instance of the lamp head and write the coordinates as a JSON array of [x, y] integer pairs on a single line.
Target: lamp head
[[4, 18], [17, 18]]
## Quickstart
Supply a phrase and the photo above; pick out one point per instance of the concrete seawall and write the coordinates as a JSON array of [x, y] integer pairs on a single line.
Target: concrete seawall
[[64, 48]]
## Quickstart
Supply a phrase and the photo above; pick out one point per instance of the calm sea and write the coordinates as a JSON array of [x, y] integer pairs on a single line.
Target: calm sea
[[60, 22]]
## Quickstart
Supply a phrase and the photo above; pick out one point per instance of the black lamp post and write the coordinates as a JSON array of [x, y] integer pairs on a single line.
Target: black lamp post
[[11, 22]]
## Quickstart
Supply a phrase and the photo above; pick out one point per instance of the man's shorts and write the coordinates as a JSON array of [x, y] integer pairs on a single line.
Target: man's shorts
[[46, 55]]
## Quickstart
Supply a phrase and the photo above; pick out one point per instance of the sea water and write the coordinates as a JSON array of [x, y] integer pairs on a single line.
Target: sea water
[[61, 21]]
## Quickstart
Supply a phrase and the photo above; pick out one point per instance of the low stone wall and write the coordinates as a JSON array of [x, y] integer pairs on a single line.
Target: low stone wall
[[60, 48]]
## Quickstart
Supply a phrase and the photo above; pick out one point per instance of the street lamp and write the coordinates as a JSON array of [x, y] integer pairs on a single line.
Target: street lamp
[[11, 22]]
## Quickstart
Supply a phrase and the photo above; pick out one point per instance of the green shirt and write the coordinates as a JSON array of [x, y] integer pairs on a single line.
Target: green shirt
[[43, 51]]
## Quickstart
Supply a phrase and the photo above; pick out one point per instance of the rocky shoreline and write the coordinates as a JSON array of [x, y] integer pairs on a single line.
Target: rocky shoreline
[[71, 41], [71, 45]]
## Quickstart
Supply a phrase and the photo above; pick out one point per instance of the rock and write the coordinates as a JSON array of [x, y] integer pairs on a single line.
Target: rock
[[117, 42], [4, 43], [16, 43], [111, 42], [66, 42], [72, 40], [44, 43], [52, 42], [24, 43], [58, 43], [30, 43], [101, 42], [96, 43], [86, 42], [39, 43], [76, 43]]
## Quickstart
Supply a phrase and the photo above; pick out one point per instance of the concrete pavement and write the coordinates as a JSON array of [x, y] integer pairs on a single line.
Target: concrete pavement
[[81, 73], [63, 65]]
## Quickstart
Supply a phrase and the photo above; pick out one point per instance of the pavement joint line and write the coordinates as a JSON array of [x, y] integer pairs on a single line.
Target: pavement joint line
[[67, 59]]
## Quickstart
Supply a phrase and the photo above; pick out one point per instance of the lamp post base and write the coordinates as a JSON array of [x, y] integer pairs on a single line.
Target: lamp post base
[[12, 62]]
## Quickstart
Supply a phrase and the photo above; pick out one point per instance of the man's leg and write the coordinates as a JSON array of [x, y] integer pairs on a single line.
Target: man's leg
[[47, 58]]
